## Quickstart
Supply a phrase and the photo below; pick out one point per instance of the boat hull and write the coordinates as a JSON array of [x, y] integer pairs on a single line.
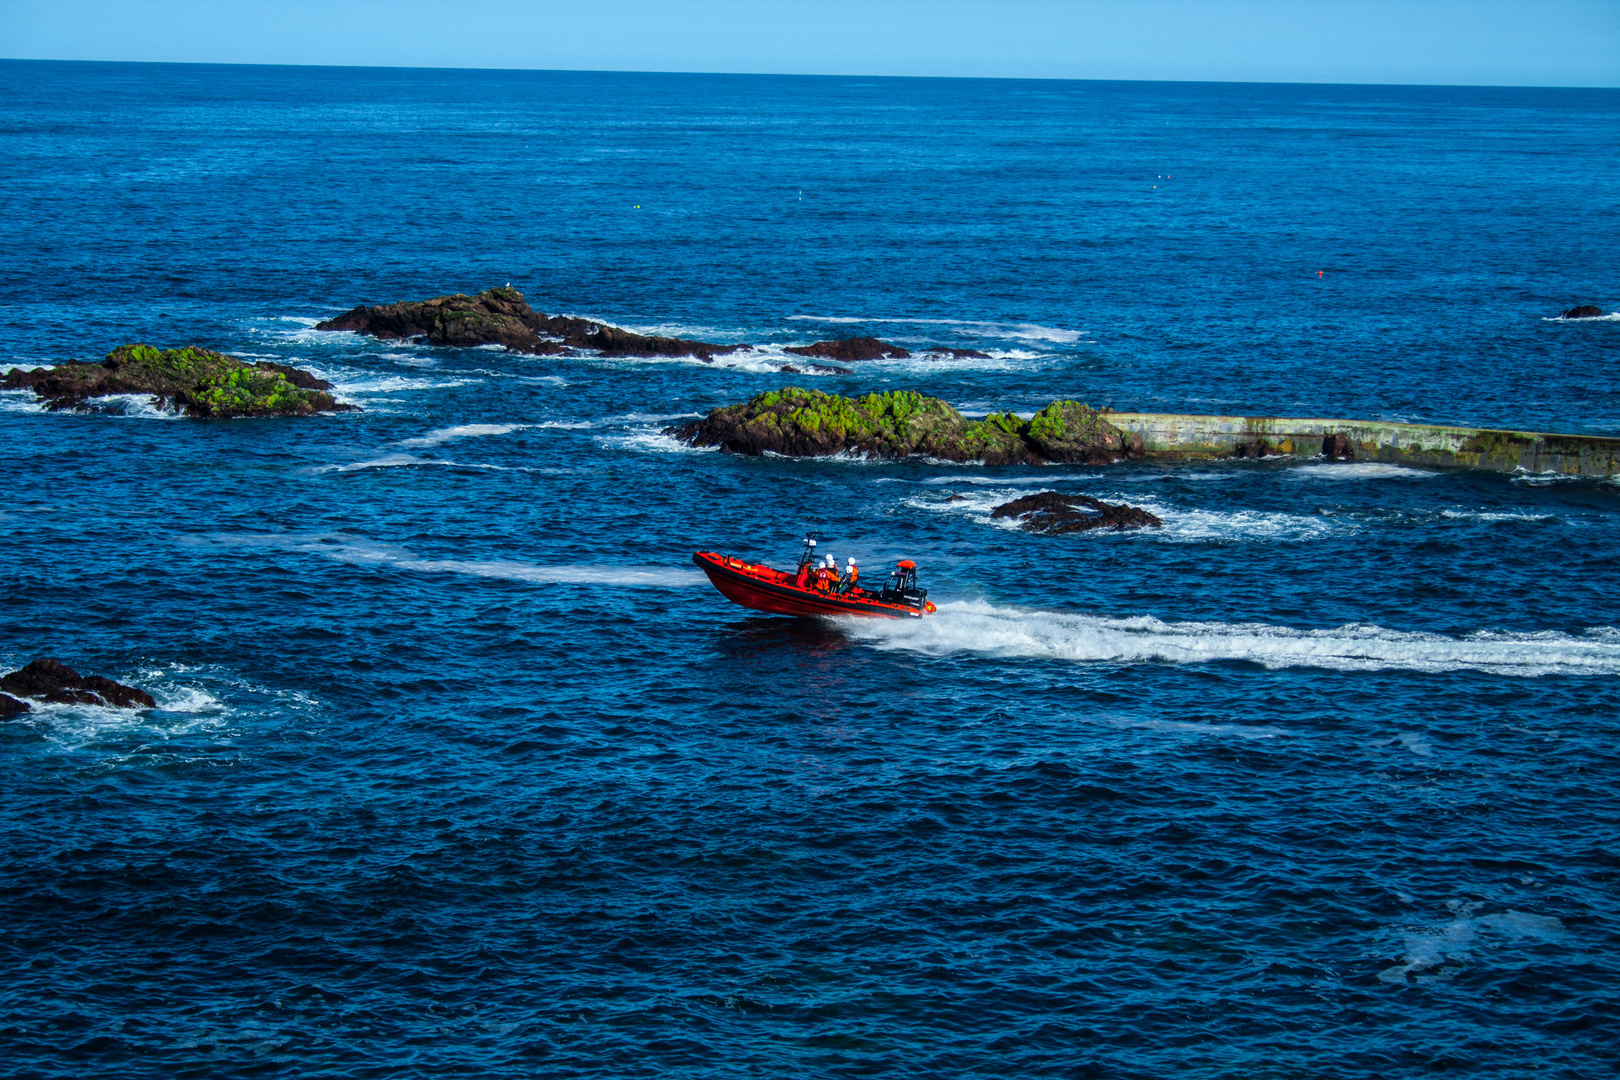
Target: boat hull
[[764, 589]]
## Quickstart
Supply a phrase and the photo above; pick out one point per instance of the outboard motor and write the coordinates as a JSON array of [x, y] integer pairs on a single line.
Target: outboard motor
[[902, 587]]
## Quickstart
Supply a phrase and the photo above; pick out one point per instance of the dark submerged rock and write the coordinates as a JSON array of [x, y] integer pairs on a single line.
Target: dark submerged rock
[[815, 369], [957, 354], [851, 350], [1338, 447], [10, 707], [1254, 448], [502, 317], [1585, 311], [808, 423], [53, 681], [201, 383], [1052, 512]]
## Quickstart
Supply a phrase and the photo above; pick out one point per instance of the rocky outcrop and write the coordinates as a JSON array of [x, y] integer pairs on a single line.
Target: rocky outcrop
[[1052, 512], [1585, 311], [493, 317], [807, 423], [502, 317], [52, 681], [851, 350], [1338, 447], [201, 383], [10, 707]]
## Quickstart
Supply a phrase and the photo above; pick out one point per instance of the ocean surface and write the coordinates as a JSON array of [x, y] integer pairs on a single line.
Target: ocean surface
[[462, 768]]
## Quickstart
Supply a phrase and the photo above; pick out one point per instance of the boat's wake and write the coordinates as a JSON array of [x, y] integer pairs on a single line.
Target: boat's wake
[[359, 551], [970, 627]]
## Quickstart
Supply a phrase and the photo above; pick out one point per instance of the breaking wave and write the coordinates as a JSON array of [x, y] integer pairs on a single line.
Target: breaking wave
[[20, 401], [654, 441], [1180, 524], [1019, 331], [975, 627]]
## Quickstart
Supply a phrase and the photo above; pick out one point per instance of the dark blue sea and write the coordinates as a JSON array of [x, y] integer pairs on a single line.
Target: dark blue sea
[[462, 769]]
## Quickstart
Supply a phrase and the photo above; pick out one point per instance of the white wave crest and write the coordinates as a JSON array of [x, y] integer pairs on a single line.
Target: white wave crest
[[1613, 316], [357, 551], [979, 628], [1024, 331], [402, 461], [652, 441]]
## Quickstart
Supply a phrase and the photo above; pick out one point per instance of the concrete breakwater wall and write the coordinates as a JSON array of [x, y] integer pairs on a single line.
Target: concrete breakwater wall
[[1175, 436]]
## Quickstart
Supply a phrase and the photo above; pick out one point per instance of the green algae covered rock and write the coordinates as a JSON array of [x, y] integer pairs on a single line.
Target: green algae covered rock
[[1068, 431], [796, 422], [199, 382]]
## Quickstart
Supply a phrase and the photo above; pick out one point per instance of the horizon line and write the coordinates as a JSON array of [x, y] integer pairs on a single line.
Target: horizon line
[[800, 74]]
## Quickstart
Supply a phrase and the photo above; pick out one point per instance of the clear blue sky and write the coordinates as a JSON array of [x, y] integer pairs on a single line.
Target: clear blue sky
[[1482, 42]]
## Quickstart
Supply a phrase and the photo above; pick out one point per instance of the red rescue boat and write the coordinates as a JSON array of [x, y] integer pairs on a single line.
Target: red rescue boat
[[782, 593]]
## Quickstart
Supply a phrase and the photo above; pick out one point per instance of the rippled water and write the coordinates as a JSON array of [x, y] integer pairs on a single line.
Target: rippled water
[[459, 765]]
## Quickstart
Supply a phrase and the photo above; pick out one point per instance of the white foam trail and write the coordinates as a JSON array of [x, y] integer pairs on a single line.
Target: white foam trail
[[649, 418], [440, 436], [1436, 954], [346, 385], [1028, 331], [974, 627], [1358, 470], [1613, 316], [1495, 515], [356, 551], [400, 461]]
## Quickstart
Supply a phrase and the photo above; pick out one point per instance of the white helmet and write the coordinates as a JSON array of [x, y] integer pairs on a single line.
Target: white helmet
[[852, 562], [831, 562]]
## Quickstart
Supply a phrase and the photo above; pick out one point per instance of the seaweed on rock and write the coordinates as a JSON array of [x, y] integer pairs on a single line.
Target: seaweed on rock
[[796, 422], [199, 382]]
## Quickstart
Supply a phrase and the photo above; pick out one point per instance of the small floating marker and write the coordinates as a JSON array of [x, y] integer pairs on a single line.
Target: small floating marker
[[1319, 273]]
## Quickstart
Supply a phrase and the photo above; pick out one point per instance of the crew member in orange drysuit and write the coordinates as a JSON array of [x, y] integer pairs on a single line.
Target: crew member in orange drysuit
[[851, 576], [826, 573]]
